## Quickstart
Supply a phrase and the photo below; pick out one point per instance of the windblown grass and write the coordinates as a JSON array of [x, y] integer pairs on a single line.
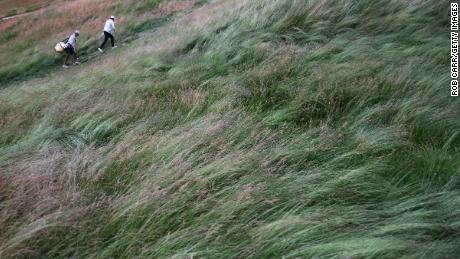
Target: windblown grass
[[14, 7], [240, 129], [27, 43]]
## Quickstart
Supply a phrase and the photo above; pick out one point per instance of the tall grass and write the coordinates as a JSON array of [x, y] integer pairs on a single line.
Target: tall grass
[[26, 48], [240, 129]]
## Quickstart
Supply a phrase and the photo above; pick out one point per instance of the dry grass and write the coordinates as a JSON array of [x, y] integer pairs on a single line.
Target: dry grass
[[21, 6], [41, 191], [175, 6], [65, 17], [6, 24]]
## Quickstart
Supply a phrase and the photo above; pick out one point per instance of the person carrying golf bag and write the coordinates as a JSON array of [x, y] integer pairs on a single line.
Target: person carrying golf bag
[[71, 49], [109, 30]]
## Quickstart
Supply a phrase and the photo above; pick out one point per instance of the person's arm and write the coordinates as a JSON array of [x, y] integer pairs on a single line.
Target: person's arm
[[113, 26]]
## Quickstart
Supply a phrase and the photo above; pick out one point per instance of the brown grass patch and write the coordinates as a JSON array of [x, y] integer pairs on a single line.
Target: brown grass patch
[[6, 24], [171, 7], [41, 192], [191, 97], [21, 6]]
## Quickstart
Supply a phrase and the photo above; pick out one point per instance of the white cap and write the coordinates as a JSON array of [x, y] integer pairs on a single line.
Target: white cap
[[112, 17]]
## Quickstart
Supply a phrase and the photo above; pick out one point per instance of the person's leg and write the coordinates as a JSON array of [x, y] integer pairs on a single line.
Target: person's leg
[[66, 56], [105, 39], [112, 40]]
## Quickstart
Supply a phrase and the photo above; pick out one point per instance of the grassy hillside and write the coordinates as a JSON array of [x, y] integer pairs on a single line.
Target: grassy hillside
[[14, 7], [231, 129]]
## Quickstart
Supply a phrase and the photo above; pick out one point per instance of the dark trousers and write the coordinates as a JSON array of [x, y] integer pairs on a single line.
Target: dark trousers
[[108, 36]]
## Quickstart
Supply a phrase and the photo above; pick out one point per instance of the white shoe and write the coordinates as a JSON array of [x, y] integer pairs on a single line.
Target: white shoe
[[114, 47], [100, 50], [77, 63], [65, 66]]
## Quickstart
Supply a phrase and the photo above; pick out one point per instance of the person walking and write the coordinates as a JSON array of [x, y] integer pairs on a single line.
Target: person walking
[[109, 30], [71, 49]]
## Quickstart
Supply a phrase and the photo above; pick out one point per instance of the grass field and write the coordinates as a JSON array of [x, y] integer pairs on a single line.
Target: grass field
[[231, 129], [14, 7]]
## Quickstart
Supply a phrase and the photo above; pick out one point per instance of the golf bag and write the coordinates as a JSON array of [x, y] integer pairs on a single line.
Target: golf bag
[[61, 46]]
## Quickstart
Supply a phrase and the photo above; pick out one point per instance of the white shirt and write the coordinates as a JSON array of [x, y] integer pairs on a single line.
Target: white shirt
[[109, 26], [72, 41]]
